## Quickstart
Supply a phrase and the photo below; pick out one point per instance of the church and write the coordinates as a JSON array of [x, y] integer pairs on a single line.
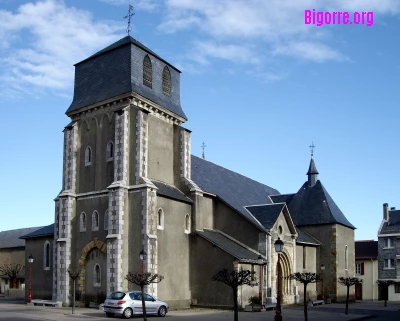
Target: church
[[130, 183]]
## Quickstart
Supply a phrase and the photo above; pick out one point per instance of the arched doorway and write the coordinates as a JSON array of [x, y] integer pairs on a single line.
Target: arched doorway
[[286, 285], [93, 266]]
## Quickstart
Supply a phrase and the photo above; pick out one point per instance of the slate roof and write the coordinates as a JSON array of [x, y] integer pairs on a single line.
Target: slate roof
[[266, 214], [171, 192], [230, 245], [314, 206], [11, 238], [393, 226], [44, 231], [304, 237], [126, 41], [366, 250], [283, 198], [234, 189], [95, 83]]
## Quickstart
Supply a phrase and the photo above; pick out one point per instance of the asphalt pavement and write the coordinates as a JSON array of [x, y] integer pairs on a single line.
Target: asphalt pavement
[[17, 310]]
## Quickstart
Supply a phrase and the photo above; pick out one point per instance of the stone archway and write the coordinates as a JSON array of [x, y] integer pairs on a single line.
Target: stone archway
[[94, 244], [285, 267]]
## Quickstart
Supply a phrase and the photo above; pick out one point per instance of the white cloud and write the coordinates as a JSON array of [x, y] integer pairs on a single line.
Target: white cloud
[[310, 51], [274, 24], [148, 5], [231, 52], [47, 39]]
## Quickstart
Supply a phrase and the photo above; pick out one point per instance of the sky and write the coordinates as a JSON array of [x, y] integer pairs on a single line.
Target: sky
[[258, 85]]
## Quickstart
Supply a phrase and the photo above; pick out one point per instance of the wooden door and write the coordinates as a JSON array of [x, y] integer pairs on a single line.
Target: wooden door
[[358, 291]]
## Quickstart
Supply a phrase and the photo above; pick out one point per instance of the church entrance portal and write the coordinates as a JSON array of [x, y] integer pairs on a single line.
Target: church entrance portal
[[93, 266]]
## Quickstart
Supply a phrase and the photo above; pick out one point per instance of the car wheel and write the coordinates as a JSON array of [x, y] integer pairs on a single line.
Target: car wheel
[[109, 314], [127, 313], [162, 311]]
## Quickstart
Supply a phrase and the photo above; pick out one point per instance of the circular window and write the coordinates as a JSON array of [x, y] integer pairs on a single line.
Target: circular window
[[280, 229]]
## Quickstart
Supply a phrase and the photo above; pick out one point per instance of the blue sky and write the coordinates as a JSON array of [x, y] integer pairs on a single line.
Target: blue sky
[[258, 86]]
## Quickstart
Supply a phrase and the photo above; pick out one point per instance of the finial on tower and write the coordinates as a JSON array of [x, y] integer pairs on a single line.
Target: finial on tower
[[203, 146], [129, 16], [312, 169], [312, 146]]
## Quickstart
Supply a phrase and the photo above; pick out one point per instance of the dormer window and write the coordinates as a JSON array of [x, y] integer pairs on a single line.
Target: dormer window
[[88, 156], [166, 82], [147, 72]]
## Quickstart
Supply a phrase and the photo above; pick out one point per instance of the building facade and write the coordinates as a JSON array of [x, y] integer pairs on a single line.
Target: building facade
[[366, 269], [389, 252], [130, 183], [13, 252]]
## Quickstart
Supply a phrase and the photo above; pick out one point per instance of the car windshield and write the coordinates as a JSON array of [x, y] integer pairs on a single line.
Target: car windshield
[[116, 296]]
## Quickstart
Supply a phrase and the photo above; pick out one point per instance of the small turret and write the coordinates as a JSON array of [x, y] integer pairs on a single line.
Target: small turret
[[312, 173]]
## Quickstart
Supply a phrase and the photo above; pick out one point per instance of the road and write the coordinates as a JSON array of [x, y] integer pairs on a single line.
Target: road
[[18, 311]]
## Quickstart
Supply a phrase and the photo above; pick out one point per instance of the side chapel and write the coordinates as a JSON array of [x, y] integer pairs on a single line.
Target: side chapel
[[131, 183]]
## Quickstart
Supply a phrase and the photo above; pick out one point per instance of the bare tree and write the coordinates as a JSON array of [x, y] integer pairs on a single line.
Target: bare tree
[[385, 284], [348, 282], [74, 275], [12, 270], [235, 279], [142, 280], [306, 278]]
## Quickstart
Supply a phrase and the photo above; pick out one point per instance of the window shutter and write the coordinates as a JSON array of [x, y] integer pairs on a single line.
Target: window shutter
[[362, 268]]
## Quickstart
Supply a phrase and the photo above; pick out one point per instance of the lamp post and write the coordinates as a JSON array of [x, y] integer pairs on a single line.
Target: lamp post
[[322, 281], [279, 249], [260, 261], [143, 256], [30, 260]]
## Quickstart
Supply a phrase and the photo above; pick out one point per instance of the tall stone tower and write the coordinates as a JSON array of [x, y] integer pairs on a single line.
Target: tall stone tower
[[123, 148]]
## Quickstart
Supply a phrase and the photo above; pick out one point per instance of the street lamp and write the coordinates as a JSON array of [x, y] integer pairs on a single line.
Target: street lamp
[[30, 260], [260, 261], [143, 256], [279, 249], [322, 281]]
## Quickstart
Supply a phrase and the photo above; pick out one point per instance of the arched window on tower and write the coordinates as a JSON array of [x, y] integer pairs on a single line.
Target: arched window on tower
[[88, 156], [83, 222], [110, 151], [346, 258], [160, 219], [46, 257], [147, 72], [96, 275], [166, 82], [187, 224], [95, 221], [106, 221]]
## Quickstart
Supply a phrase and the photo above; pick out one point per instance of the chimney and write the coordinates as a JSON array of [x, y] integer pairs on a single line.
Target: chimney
[[386, 212], [392, 208]]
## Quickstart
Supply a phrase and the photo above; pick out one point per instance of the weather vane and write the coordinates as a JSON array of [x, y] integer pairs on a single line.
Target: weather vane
[[203, 146], [312, 146], [129, 16]]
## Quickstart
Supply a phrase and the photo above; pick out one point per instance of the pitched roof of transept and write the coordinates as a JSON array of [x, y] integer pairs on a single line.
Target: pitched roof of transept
[[234, 189]]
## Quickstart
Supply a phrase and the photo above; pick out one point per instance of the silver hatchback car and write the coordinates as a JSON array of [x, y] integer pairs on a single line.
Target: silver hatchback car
[[128, 303]]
